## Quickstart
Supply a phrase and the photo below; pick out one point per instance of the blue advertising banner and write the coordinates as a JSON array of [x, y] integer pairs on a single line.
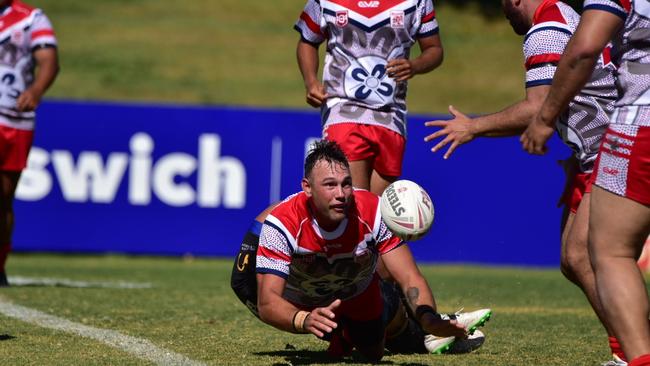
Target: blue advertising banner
[[174, 180]]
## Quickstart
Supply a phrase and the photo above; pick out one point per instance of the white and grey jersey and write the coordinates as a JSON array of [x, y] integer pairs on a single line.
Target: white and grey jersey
[[362, 36], [583, 124], [632, 54]]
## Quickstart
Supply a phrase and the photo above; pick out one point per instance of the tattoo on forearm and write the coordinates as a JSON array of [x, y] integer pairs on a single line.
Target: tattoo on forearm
[[412, 297]]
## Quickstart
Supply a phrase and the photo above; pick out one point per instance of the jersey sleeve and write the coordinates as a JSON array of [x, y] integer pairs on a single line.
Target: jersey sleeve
[[428, 21], [543, 48], [386, 240], [42, 32], [309, 23], [620, 8], [273, 252]]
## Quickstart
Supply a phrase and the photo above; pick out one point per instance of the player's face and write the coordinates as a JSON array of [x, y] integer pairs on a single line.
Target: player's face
[[513, 11], [330, 190]]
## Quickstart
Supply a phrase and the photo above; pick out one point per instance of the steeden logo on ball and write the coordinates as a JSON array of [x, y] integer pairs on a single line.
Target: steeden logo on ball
[[407, 210]]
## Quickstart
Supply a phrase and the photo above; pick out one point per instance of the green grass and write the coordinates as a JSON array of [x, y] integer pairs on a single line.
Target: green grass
[[539, 318], [243, 53]]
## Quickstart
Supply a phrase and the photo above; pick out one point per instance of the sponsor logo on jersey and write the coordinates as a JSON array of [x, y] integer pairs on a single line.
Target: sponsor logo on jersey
[[303, 259], [368, 4], [333, 246], [17, 37], [397, 19], [342, 18], [242, 264], [610, 171]]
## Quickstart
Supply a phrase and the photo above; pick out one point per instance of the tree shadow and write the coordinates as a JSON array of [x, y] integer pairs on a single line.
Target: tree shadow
[[308, 357], [6, 337]]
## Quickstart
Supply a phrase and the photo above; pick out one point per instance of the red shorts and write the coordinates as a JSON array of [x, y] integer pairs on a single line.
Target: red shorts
[[14, 148], [580, 185], [361, 315], [368, 305], [368, 142], [623, 165]]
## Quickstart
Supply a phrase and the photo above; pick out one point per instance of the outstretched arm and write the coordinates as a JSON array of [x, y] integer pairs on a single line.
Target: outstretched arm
[[508, 122], [401, 265], [596, 28], [280, 313]]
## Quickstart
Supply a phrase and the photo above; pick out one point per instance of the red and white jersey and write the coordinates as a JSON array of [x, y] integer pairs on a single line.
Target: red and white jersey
[[583, 124], [633, 57], [362, 36], [23, 29], [321, 266]]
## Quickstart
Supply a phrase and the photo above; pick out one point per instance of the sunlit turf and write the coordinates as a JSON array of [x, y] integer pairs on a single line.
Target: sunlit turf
[[539, 317]]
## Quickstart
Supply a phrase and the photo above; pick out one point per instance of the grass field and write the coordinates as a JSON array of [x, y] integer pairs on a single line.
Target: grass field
[[243, 53], [189, 309]]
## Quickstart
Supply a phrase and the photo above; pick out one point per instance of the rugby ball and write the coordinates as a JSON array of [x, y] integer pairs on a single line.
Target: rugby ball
[[407, 210]]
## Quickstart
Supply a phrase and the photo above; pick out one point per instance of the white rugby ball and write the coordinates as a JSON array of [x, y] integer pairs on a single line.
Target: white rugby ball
[[407, 210]]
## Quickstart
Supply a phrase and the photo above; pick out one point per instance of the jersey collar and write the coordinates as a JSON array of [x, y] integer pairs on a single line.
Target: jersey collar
[[545, 4]]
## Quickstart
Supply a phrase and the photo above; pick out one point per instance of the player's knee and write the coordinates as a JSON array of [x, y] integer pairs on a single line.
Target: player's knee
[[576, 262]]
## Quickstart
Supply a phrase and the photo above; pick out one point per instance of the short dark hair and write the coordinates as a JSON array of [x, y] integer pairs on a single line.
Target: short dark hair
[[329, 151]]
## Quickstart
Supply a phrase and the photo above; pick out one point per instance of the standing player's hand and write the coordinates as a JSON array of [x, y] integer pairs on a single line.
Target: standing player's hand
[[316, 94], [27, 101], [457, 131], [400, 69], [534, 139], [321, 320]]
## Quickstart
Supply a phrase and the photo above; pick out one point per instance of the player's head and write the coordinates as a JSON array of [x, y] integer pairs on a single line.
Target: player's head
[[328, 183], [517, 12]]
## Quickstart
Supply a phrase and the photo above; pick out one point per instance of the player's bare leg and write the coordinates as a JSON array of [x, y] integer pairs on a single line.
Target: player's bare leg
[[575, 261], [360, 171], [617, 231], [8, 183], [379, 182]]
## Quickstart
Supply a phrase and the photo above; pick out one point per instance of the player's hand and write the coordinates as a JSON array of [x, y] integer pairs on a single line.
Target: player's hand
[[316, 94], [442, 328], [27, 101], [400, 69], [534, 139], [321, 320], [457, 131]]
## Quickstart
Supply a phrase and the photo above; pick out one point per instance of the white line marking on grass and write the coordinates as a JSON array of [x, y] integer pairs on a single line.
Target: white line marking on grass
[[64, 282], [139, 347]]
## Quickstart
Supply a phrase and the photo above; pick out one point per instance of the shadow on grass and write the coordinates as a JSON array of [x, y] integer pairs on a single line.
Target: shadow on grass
[[307, 357], [6, 337]]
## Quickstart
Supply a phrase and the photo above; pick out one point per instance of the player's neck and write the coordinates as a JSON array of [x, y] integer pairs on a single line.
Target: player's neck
[[323, 222]]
